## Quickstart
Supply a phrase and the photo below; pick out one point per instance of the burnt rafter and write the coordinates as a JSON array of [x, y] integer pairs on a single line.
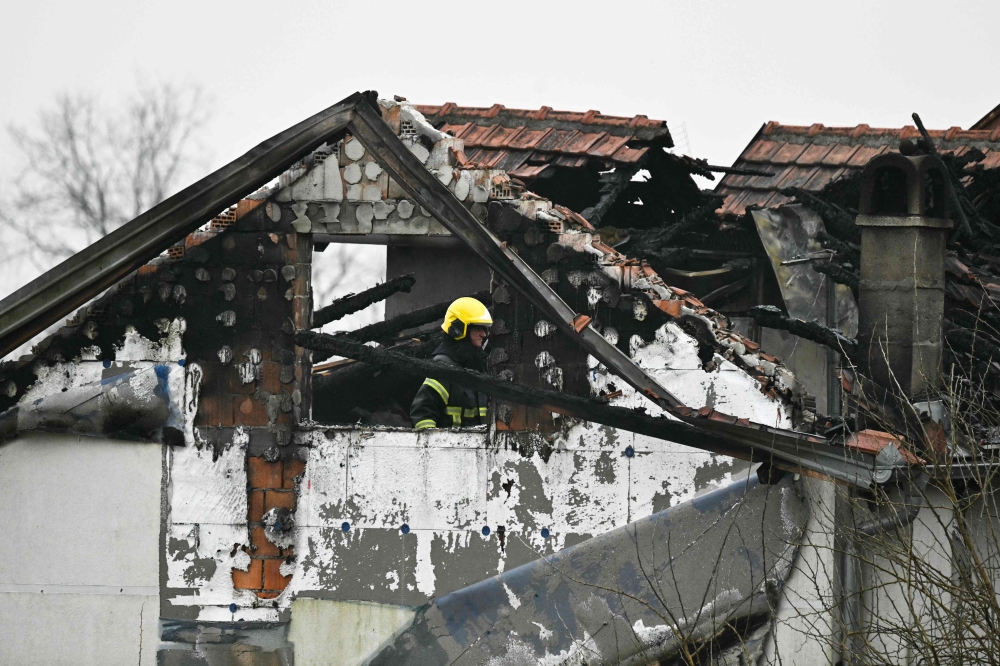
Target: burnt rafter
[[704, 429], [384, 329], [352, 303], [839, 274], [769, 316]]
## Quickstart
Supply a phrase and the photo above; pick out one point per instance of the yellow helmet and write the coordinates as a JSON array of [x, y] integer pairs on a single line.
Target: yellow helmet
[[461, 314]]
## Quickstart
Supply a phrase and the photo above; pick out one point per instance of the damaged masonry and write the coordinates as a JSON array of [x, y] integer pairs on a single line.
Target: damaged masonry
[[653, 484]]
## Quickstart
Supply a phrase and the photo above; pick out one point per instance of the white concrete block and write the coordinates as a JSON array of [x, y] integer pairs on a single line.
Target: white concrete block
[[352, 173], [405, 209], [333, 184], [354, 149], [79, 629], [421, 153], [364, 214], [79, 511]]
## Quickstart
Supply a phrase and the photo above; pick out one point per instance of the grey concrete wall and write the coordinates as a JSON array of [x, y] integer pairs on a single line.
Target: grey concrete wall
[[79, 564], [809, 361], [901, 305], [441, 274]]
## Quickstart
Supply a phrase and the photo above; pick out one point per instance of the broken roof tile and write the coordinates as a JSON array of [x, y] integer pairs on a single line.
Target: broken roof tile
[[526, 171], [992, 159]]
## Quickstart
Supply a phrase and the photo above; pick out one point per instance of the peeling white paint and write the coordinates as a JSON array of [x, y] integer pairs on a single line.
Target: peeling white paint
[[543, 633], [425, 566], [512, 599], [168, 349]]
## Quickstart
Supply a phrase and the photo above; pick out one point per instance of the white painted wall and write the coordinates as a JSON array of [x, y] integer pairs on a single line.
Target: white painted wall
[[805, 618], [343, 633], [79, 558]]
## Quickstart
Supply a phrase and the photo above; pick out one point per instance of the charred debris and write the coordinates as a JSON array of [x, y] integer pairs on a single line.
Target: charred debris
[[653, 212], [971, 324], [645, 204]]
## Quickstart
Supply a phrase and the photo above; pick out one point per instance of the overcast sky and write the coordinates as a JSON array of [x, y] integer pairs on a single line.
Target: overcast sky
[[719, 69]]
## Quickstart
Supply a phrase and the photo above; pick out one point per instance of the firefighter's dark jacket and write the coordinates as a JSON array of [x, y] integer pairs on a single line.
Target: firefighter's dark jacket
[[442, 404]]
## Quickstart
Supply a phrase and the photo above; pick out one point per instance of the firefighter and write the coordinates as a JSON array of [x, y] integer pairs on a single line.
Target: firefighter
[[441, 404]]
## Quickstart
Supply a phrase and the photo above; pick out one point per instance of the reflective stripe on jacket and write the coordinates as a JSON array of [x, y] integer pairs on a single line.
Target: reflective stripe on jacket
[[441, 404]]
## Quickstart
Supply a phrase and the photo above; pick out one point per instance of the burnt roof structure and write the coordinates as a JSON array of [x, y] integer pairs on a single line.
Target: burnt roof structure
[[812, 157], [585, 161]]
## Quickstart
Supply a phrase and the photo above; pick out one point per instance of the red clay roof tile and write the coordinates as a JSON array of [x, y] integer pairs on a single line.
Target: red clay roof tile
[[577, 137], [788, 153], [839, 155], [812, 157], [813, 154]]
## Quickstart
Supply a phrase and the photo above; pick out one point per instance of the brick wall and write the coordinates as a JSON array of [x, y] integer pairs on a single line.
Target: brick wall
[[271, 485]]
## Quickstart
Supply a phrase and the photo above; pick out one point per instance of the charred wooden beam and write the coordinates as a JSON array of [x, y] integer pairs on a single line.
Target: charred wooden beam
[[701, 167], [984, 323], [382, 330], [769, 316], [839, 274], [356, 302], [847, 250], [348, 372], [721, 294], [690, 221], [964, 340], [838, 221], [952, 186], [612, 186], [390, 327], [562, 403], [703, 429]]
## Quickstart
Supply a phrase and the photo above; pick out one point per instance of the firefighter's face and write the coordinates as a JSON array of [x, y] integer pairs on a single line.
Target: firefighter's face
[[477, 336]]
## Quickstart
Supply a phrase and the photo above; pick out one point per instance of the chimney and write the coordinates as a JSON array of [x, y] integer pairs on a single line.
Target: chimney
[[904, 224]]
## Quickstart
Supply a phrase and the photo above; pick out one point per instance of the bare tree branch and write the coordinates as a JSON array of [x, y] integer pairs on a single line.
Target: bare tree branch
[[89, 168]]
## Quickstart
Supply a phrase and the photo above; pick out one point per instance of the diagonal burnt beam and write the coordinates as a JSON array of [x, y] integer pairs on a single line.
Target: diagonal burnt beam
[[393, 156], [769, 316], [352, 303], [561, 403], [381, 330], [56, 293], [711, 432]]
